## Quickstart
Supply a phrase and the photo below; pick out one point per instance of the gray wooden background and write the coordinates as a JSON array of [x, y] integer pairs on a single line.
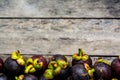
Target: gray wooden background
[[93, 25]]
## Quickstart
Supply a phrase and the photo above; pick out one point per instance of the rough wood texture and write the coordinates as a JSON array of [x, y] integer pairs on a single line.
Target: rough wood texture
[[60, 8], [62, 36]]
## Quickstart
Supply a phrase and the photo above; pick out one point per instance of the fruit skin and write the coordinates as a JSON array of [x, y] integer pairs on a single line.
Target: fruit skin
[[89, 62], [78, 72], [102, 71], [12, 67], [3, 77], [64, 72], [30, 77], [58, 57], [1, 65], [43, 78], [115, 64]]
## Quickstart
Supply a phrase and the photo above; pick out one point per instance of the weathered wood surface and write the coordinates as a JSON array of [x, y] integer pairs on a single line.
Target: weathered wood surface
[[62, 36], [60, 8]]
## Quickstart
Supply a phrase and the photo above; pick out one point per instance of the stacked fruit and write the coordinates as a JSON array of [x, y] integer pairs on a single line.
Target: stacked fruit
[[57, 67]]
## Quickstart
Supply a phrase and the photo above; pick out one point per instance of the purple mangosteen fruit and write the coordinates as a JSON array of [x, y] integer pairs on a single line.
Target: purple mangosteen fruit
[[35, 64], [80, 58], [102, 70], [115, 64], [1, 65], [14, 65], [3, 77], [82, 72]]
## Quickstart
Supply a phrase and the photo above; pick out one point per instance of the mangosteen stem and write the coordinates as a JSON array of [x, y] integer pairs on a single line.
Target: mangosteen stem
[[80, 53], [15, 55]]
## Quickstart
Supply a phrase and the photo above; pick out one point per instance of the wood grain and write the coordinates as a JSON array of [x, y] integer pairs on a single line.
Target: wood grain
[[60, 8], [60, 36]]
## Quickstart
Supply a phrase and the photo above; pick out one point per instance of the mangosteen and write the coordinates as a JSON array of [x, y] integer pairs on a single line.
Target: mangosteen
[[3, 77], [64, 74], [115, 64], [82, 72], [39, 62], [57, 70], [102, 70], [26, 77], [14, 65], [36, 63], [1, 65], [81, 58]]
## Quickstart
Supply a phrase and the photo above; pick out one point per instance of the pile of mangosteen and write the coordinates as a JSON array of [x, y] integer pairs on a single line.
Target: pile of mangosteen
[[58, 67]]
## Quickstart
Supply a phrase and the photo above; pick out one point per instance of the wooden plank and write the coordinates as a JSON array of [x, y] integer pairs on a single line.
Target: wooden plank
[[60, 8], [60, 36]]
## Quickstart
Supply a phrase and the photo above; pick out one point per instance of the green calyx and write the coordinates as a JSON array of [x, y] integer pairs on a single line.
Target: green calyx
[[19, 77], [90, 70], [57, 70], [38, 65], [80, 56], [103, 61], [21, 61], [48, 74], [33, 65], [56, 66], [62, 63], [30, 69], [29, 61], [17, 56], [114, 79], [52, 65]]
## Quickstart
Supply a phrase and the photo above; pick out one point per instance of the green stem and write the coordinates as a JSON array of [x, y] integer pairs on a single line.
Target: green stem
[[80, 53], [15, 55]]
